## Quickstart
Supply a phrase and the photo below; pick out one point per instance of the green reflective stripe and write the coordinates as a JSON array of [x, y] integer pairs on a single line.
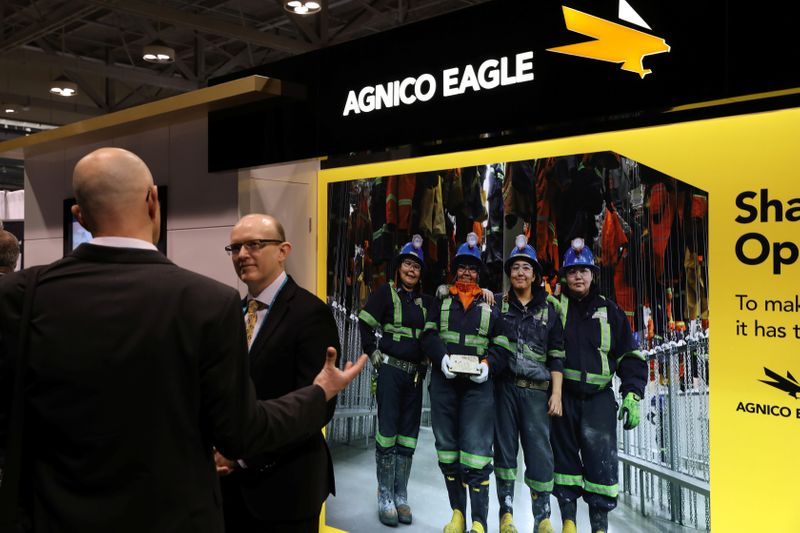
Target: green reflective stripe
[[447, 457], [430, 325], [507, 474], [368, 319], [612, 491], [385, 442], [444, 317], [592, 379], [540, 486], [474, 461], [633, 353], [486, 317], [476, 340], [380, 232], [408, 442], [449, 336], [390, 197], [565, 479], [403, 331], [530, 354], [557, 354], [556, 303], [504, 305], [405, 201], [396, 305], [564, 306], [503, 342], [605, 338]]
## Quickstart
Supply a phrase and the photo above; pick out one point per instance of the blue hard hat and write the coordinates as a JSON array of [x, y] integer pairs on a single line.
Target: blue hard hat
[[579, 255], [469, 253], [412, 250], [522, 251]]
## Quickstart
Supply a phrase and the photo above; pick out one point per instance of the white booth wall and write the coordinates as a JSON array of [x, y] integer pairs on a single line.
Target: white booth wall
[[202, 206]]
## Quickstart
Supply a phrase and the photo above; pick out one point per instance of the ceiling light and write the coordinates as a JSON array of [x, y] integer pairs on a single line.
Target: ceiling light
[[63, 87], [300, 7], [9, 109], [158, 53]]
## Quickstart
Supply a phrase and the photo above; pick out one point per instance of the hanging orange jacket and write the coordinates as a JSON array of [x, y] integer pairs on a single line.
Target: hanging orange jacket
[[614, 245], [399, 198], [546, 235], [662, 212]]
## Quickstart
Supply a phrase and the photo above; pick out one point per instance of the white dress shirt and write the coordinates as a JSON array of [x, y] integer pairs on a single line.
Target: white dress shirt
[[123, 242]]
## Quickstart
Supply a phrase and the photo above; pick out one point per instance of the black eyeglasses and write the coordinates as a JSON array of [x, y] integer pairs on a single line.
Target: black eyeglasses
[[250, 246]]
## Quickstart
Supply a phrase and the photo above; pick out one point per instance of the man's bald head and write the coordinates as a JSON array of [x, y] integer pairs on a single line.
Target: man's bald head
[[113, 189], [9, 251], [266, 223]]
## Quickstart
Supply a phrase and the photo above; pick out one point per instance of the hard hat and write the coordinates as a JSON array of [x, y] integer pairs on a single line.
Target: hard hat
[[579, 255], [469, 253], [412, 250], [522, 251]]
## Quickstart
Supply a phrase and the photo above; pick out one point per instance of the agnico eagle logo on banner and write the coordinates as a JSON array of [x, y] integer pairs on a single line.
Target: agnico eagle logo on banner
[[612, 42]]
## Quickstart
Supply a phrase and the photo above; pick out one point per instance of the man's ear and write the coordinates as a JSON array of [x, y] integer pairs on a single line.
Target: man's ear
[[76, 212], [152, 202], [286, 249]]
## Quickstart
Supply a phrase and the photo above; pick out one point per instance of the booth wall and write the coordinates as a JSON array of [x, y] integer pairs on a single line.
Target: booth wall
[[202, 206]]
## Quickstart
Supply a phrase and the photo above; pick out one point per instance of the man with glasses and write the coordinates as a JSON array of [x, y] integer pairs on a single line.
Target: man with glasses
[[529, 391], [288, 329], [400, 310]]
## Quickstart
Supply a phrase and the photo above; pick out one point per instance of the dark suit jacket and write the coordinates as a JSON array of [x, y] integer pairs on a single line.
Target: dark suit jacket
[[287, 353], [137, 367]]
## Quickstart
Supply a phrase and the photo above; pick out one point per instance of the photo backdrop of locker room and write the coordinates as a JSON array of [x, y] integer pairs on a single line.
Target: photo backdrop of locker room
[[649, 235]]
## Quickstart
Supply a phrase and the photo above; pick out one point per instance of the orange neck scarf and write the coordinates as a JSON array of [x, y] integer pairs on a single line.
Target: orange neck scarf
[[466, 292]]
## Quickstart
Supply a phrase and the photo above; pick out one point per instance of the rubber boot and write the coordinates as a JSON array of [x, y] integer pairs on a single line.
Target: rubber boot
[[387, 513], [402, 472], [540, 504], [458, 503], [507, 523], [479, 506], [598, 518], [568, 512]]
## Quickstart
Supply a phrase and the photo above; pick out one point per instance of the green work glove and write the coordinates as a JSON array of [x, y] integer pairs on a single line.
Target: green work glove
[[629, 412], [373, 383], [377, 359]]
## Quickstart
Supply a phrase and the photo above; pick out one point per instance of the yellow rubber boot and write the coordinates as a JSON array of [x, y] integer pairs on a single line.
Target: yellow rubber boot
[[545, 526], [569, 527], [477, 527], [507, 524], [457, 524]]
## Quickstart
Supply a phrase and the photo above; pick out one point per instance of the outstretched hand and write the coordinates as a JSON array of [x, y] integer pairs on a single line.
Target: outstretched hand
[[331, 379]]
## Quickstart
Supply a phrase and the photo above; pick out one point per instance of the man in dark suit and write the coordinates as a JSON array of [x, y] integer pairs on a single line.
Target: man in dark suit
[[289, 329], [137, 369]]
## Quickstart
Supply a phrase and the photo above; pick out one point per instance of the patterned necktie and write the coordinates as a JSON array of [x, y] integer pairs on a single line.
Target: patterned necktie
[[251, 318]]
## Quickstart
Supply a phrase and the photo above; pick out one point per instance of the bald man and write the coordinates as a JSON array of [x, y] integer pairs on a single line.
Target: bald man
[[137, 370], [289, 329], [9, 252]]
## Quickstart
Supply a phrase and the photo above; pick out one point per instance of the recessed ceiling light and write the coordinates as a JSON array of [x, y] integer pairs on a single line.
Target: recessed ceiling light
[[62, 86], [300, 7], [158, 53]]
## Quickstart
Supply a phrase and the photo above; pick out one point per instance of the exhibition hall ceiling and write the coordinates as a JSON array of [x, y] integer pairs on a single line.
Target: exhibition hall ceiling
[[98, 45]]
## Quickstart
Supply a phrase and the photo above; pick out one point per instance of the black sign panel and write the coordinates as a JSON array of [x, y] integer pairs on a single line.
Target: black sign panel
[[507, 65]]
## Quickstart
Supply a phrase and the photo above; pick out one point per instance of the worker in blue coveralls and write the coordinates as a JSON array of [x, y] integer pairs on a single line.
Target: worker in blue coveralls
[[598, 343], [461, 389], [528, 393], [399, 310]]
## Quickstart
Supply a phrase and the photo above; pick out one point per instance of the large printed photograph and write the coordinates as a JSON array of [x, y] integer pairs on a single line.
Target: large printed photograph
[[538, 337]]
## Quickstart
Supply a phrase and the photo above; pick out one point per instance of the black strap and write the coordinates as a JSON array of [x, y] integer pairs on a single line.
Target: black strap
[[9, 490]]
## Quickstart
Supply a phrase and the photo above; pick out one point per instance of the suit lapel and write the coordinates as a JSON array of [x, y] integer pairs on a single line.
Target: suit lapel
[[277, 312]]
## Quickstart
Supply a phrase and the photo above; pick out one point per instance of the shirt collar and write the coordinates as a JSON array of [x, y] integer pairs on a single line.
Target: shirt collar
[[123, 242], [267, 296]]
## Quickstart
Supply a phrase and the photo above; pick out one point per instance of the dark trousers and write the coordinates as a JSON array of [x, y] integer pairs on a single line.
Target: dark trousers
[[399, 410], [522, 416], [239, 519], [585, 447], [462, 415]]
